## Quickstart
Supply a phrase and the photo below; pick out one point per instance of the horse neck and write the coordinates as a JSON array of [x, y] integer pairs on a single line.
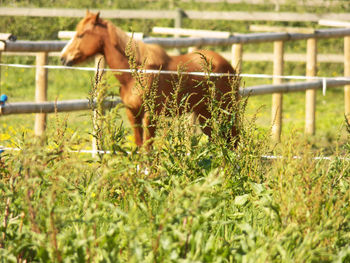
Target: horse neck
[[115, 53], [116, 42], [116, 59]]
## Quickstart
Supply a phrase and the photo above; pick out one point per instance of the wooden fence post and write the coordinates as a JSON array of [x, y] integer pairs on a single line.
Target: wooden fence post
[[237, 52], [178, 24], [0, 69], [277, 98], [40, 91], [2, 48], [178, 18], [310, 95], [347, 74]]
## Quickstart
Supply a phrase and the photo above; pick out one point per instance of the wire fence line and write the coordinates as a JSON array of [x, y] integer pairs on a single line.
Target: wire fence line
[[324, 79], [263, 157], [173, 72], [78, 105]]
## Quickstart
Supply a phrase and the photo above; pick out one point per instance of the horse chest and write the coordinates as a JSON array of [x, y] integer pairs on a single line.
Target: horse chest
[[131, 97]]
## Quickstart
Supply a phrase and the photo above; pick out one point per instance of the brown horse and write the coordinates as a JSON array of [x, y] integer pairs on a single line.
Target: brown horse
[[94, 35]]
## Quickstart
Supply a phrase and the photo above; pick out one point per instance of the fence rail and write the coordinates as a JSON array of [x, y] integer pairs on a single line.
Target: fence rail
[[250, 38], [246, 56], [176, 14], [53, 106], [79, 105], [34, 46], [52, 46], [322, 3], [292, 87], [66, 12]]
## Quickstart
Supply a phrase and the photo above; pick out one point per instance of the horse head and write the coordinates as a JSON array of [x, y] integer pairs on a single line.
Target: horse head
[[87, 41]]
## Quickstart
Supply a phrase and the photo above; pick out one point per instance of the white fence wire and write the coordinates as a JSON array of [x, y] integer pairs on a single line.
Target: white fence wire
[[263, 157], [149, 71]]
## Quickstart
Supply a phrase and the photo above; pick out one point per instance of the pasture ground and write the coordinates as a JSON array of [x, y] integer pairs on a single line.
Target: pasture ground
[[187, 200]]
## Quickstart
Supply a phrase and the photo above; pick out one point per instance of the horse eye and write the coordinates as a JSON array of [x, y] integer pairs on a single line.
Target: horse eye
[[80, 35]]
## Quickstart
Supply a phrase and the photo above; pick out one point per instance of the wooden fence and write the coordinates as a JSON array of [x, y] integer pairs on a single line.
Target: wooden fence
[[176, 15], [247, 56], [53, 106], [84, 104], [237, 42], [323, 3]]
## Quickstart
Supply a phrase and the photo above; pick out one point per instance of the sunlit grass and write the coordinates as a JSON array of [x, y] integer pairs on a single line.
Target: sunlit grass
[[187, 199]]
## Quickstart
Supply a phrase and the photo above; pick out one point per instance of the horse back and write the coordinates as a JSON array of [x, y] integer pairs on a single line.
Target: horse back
[[202, 60], [194, 87]]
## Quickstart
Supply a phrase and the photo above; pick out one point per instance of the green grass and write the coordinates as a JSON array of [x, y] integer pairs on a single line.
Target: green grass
[[186, 200]]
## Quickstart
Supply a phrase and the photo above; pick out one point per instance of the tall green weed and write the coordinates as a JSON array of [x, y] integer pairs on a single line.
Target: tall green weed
[[185, 199]]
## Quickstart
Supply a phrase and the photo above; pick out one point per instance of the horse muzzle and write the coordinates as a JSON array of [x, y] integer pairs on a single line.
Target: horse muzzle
[[66, 62]]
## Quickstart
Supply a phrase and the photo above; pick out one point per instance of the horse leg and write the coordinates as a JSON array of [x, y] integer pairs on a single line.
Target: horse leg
[[193, 117], [234, 114], [235, 137], [203, 115], [136, 124], [149, 130]]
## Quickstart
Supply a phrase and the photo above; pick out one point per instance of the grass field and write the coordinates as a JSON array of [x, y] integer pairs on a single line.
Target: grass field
[[188, 199]]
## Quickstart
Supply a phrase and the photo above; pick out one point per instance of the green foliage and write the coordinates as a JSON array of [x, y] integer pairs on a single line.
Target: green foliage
[[187, 199], [171, 205]]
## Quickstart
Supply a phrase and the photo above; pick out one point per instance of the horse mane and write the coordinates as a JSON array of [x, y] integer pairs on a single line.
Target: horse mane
[[154, 56]]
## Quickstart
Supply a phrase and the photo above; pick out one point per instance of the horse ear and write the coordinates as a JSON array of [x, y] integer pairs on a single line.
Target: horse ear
[[97, 18], [87, 12]]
